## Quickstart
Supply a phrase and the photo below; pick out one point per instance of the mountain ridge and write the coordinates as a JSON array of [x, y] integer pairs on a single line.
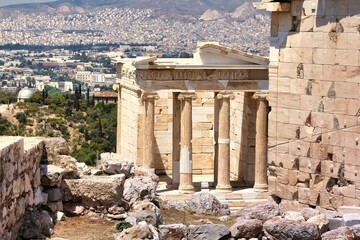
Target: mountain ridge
[[162, 7]]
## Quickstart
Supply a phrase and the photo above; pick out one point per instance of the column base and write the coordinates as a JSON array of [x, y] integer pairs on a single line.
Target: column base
[[186, 189], [148, 170], [260, 188], [226, 188]]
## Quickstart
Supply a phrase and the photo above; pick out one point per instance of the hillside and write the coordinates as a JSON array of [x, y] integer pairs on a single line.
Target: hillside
[[161, 7]]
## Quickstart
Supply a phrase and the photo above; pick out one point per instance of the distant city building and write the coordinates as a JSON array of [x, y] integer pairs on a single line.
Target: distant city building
[[106, 97], [25, 94], [83, 76]]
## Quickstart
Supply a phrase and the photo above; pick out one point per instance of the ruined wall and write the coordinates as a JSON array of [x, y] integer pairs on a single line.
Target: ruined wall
[[20, 181], [314, 129]]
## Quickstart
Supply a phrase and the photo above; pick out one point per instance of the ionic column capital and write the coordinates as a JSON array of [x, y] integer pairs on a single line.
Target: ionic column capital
[[187, 95], [149, 96], [261, 96], [117, 86], [225, 95]]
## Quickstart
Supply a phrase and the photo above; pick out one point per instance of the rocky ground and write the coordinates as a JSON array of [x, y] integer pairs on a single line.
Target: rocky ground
[[117, 201]]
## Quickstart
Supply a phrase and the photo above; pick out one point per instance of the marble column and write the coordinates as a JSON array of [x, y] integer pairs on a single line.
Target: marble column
[[186, 184], [223, 141], [261, 184], [149, 138], [118, 87]]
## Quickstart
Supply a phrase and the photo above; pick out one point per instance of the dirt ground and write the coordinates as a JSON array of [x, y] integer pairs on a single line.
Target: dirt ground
[[85, 228]]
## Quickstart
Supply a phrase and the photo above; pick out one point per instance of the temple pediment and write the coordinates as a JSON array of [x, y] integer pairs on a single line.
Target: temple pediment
[[215, 54], [207, 56], [212, 68]]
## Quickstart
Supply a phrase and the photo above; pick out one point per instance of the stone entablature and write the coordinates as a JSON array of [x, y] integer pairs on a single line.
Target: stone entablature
[[180, 135], [314, 95]]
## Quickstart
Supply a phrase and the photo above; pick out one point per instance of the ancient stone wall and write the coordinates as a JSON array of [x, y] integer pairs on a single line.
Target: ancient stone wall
[[314, 128], [20, 181], [131, 112], [242, 135]]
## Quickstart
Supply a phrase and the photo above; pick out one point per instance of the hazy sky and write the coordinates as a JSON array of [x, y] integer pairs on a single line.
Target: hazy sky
[[10, 2]]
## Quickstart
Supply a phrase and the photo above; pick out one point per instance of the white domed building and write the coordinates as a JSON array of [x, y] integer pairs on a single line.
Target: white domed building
[[25, 93]]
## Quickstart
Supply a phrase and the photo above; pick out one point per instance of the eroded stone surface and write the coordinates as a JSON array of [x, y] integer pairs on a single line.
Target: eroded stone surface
[[262, 211], [281, 229], [94, 191]]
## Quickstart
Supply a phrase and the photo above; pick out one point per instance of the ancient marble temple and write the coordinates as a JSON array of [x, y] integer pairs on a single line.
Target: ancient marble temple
[[200, 115]]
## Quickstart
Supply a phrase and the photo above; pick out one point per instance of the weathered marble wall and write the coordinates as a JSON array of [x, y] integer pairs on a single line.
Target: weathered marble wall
[[20, 181], [314, 125], [242, 135], [131, 128]]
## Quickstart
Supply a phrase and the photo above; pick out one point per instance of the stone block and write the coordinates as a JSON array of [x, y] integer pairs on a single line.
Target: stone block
[[285, 191], [330, 168], [351, 219], [203, 126], [334, 73], [320, 151], [303, 195]]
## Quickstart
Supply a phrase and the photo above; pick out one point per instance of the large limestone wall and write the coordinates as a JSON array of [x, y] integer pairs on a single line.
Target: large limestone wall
[[131, 113], [242, 135], [20, 181], [314, 129]]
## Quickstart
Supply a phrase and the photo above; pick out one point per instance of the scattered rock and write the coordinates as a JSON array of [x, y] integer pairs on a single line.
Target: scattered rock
[[68, 164], [96, 172], [111, 163], [54, 194], [320, 221], [356, 231], [180, 205], [246, 228], [263, 211], [59, 216], [140, 188], [36, 225], [94, 191], [172, 232], [72, 209], [281, 229], [148, 216], [117, 216], [131, 220], [208, 231], [204, 203], [55, 206], [55, 147], [146, 205], [51, 175], [204, 221], [294, 216], [224, 218], [309, 212], [116, 209], [343, 233], [139, 231]]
